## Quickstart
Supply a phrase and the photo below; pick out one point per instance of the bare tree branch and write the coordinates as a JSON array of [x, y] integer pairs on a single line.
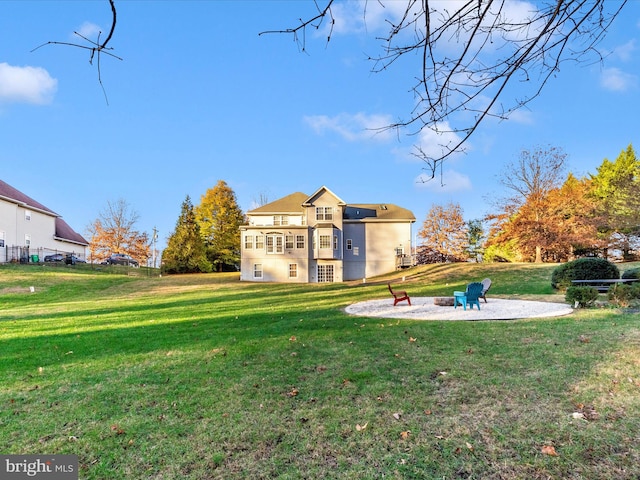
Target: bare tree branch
[[95, 48], [472, 55]]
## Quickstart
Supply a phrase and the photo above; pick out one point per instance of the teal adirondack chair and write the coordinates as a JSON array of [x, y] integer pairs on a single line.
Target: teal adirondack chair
[[470, 297], [473, 293]]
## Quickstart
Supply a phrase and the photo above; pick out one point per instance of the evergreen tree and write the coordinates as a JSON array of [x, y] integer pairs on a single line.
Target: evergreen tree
[[616, 188], [185, 252], [219, 218], [475, 239]]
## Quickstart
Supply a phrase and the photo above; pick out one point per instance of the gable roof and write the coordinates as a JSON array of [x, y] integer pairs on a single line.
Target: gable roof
[[63, 230], [377, 211], [10, 194], [66, 233], [309, 201], [290, 204], [364, 212]]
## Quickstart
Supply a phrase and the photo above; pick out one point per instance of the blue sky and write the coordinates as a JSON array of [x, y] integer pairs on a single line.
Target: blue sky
[[200, 97]]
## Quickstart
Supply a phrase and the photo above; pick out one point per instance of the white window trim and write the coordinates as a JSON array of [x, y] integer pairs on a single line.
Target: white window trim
[[257, 270]]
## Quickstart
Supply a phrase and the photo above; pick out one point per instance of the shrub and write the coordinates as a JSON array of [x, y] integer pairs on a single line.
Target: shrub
[[581, 296], [583, 269], [620, 295], [631, 273]]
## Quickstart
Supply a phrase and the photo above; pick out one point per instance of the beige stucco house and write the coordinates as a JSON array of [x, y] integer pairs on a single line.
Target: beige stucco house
[[321, 238], [29, 229]]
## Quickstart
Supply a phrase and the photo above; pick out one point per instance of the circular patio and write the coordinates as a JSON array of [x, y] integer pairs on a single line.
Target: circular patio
[[423, 308]]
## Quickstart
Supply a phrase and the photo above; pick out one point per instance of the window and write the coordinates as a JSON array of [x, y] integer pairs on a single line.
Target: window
[[280, 220], [27, 239], [325, 241], [259, 242], [248, 242], [335, 242], [257, 270], [2, 239], [325, 273], [299, 241], [324, 213], [27, 215], [356, 251], [293, 270], [275, 243], [400, 251], [288, 241], [349, 244]]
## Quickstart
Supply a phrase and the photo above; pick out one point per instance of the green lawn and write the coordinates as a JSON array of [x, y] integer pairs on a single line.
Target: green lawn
[[204, 377]]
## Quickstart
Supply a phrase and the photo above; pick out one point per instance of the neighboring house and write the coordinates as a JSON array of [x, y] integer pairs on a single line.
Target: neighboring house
[[28, 228], [321, 238]]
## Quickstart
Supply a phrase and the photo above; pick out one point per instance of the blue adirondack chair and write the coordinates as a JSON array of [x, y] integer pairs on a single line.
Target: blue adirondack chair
[[470, 297]]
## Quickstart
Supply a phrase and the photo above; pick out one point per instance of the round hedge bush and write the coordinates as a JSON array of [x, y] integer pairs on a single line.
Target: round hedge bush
[[631, 273], [583, 269]]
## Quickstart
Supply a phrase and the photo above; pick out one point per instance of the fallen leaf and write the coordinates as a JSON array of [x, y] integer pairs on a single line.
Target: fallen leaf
[[292, 338], [404, 435], [411, 339], [549, 450], [361, 427], [397, 416], [119, 431], [427, 412], [469, 446], [293, 392]]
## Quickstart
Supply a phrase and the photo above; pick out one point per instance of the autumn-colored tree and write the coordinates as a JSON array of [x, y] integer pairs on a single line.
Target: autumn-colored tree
[[530, 179], [555, 226], [114, 232], [185, 252], [616, 188], [444, 234], [219, 218]]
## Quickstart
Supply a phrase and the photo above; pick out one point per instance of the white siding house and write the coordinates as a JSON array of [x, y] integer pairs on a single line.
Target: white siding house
[[29, 229], [321, 238]]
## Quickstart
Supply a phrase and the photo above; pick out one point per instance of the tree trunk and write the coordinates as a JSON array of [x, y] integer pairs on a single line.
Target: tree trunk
[[538, 254]]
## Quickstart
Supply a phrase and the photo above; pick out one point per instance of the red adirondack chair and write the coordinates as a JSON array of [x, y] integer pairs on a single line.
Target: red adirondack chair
[[399, 296]]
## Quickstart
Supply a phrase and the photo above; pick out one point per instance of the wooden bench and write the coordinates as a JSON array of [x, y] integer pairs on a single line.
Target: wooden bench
[[399, 296], [603, 285]]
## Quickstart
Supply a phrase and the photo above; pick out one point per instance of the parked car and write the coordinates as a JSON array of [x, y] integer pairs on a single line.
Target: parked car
[[72, 259], [121, 259], [56, 257]]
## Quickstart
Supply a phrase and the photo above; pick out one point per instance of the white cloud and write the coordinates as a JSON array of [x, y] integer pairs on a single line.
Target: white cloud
[[625, 52], [522, 116], [26, 85], [89, 30], [616, 80], [436, 142], [352, 127], [447, 182]]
